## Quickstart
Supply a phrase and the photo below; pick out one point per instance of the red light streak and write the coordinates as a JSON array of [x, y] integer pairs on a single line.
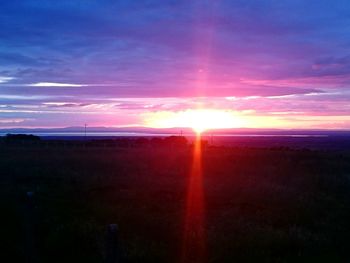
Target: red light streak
[[194, 233]]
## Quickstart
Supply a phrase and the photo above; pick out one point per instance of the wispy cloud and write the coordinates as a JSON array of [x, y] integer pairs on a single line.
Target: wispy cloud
[[55, 84], [12, 120], [5, 79]]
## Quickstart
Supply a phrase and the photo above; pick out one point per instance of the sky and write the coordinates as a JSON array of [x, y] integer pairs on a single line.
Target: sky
[[266, 63]]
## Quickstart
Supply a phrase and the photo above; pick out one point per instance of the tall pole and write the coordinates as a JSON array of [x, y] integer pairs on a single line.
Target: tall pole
[[31, 225], [112, 244], [85, 131]]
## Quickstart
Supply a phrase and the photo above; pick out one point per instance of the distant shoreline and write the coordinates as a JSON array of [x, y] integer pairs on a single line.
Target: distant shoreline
[[144, 134]]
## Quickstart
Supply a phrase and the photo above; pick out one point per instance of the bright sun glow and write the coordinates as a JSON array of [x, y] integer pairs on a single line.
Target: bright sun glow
[[199, 120]]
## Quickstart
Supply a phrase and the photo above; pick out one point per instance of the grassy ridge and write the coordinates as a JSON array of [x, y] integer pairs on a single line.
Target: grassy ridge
[[262, 205]]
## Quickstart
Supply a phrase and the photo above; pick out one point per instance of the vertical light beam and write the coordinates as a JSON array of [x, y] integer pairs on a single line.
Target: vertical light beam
[[194, 234]]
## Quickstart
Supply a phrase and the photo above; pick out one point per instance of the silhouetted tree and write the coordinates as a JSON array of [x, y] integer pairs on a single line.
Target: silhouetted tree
[[19, 138]]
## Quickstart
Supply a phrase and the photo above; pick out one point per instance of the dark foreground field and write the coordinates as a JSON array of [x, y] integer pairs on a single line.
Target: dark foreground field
[[261, 204]]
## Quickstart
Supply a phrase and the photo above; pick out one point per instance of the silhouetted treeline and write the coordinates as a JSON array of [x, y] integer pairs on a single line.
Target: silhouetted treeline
[[171, 141], [20, 138]]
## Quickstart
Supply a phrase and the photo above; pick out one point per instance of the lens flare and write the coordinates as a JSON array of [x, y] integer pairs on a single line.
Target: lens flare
[[194, 232]]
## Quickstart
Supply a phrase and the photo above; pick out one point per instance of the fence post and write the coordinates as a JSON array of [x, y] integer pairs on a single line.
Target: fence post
[[31, 229], [112, 244]]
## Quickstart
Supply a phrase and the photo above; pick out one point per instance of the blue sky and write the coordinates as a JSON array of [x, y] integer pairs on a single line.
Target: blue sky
[[115, 63]]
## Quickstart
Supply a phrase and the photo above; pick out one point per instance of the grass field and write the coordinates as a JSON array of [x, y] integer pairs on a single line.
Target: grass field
[[261, 204]]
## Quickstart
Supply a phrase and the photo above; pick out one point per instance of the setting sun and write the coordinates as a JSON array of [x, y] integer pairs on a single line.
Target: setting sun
[[199, 120]]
